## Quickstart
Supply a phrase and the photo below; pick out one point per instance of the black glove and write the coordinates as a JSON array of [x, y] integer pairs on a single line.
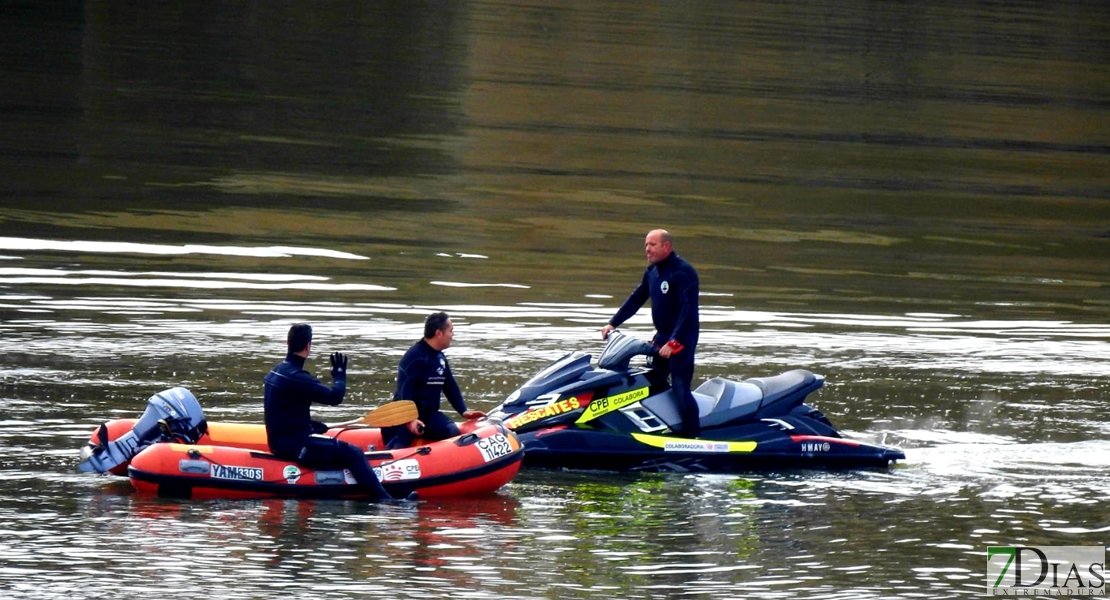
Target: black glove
[[338, 364], [319, 427]]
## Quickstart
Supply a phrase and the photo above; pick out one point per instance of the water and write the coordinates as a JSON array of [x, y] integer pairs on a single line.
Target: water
[[912, 203]]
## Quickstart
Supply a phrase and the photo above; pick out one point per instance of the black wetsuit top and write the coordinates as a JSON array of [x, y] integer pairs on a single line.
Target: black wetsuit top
[[422, 376], [290, 392], [672, 285]]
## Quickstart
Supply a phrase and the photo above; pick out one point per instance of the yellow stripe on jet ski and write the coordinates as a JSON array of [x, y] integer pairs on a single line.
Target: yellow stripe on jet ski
[[673, 444], [608, 404]]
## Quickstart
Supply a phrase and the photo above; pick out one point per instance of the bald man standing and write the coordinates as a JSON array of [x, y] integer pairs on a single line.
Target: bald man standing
[[672, 285]]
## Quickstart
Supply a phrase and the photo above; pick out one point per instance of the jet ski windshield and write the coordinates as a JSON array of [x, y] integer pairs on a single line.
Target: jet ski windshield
[[558, 373], [621, 350]]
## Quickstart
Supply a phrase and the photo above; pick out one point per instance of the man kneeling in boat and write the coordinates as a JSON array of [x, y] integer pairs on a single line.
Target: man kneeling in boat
[[423, 377], [290, 392]]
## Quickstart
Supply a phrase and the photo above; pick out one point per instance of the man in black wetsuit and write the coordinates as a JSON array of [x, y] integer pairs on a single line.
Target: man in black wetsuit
[[423, 376], [672, 285], [290, 392]]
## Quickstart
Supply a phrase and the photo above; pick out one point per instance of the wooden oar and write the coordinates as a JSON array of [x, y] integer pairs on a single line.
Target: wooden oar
[[393, 413]]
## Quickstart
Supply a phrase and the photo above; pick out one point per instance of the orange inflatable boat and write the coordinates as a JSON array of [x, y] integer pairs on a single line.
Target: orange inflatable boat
[[172, 451]]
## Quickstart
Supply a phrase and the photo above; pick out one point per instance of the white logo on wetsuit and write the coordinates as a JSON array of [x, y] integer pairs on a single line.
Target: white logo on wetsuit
[[664, 287]]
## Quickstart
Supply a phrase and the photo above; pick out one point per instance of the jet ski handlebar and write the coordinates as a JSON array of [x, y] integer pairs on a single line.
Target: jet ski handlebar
[[621, 349]]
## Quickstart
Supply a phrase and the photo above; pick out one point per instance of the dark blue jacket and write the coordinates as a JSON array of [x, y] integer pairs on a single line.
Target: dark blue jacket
[[672, 285], [290, 392], [423, 376]]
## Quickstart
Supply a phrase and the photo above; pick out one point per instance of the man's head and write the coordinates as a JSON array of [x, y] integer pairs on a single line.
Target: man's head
[[657, 245], [439, 330], [299, 338]]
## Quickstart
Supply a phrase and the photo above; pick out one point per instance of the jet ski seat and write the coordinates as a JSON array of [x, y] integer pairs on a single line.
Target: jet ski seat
[[722, 400]]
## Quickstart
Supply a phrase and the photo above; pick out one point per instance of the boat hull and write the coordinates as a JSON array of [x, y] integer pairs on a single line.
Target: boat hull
[[478, 462]]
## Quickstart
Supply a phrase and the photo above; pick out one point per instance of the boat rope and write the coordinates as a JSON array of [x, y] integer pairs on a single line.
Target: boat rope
[[195, 454], [422, 451]]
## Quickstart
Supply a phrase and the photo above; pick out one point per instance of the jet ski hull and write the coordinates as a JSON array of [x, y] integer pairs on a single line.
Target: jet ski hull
[[580, 449]]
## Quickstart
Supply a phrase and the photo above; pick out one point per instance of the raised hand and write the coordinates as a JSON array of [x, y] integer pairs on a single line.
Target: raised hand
[[338, 364]]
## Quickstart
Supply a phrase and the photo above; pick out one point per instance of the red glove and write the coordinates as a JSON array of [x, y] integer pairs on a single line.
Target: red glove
[[674, 346]]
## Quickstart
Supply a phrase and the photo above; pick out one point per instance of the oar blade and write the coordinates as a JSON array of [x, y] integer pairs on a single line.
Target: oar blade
[[394, 413]]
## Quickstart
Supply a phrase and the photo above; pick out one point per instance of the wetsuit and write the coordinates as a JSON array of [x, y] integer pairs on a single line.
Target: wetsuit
[[290, 392], [672, 286], [423, 376]]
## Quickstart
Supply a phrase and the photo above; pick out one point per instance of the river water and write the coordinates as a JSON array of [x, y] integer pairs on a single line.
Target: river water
[[913, 201]]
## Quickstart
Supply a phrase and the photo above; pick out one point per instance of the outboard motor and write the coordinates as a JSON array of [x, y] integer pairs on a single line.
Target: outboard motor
[[171, 415]]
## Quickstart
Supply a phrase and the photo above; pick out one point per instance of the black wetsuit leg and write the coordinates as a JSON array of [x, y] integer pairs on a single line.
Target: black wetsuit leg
[[680, 368], [437, 427], [397, 436], [682, 376], [440, 427], [330, 453]]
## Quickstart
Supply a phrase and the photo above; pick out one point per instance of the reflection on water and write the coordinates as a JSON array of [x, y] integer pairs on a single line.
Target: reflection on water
[[557, 534], [990, 461], [26, 245]]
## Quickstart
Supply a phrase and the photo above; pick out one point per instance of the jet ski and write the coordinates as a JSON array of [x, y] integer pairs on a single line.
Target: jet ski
[[615, 417]]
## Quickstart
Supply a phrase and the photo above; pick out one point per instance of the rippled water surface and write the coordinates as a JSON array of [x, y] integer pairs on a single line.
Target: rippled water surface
[[910, 202]]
